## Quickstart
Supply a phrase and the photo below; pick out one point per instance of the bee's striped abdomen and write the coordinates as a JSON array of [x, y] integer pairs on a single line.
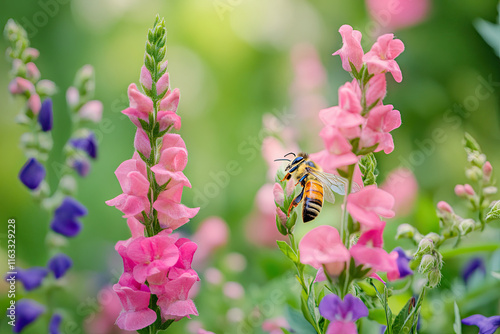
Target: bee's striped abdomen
[[313, 200]]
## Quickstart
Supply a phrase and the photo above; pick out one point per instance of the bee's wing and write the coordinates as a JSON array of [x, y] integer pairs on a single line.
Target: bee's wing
[[334, 183]]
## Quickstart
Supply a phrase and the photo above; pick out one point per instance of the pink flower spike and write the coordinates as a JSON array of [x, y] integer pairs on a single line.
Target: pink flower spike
[[351, 50], [20, 86], [145, 78], [322, 246], [135, 314], [381, 57], [91, 111], [34, 103], [365, 206]]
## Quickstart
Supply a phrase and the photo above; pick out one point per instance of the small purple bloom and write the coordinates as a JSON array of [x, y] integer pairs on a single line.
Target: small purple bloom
[[82, 167], [59, 264], [65, 219], [475, 264], [27, 311], [342, 313], [402, 262], [45, 115], [54, 324], [486, 325], [87, 144], [31, 278], [32, 174]]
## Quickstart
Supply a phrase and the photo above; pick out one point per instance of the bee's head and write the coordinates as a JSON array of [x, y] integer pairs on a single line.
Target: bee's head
[[297, 159]]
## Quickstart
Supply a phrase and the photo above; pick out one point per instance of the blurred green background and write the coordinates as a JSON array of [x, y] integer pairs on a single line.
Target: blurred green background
[[232, 64]]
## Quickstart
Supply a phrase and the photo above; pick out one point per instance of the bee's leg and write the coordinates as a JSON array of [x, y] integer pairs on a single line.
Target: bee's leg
[[287, 177], [302, 179], [295, 202]]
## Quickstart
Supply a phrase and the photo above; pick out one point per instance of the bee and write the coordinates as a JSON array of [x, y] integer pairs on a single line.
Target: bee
[[313, 181]]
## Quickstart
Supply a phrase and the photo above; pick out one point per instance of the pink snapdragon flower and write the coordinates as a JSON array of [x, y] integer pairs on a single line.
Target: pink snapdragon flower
[[173, 160], [368, 204], [381, 121], [322, 246], [369, 252], [132, 176], [351, 51], [171, 213], [381, 56], [136, 313]]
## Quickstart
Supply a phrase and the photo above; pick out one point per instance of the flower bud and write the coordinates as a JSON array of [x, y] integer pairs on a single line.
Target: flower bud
[[91, 111], [405, 231], [490, 190], [487, 170], [444, 207], [32, 72], [34, 104], [436, 238], [460, 190], [434, 278], [469, 190], [30, 54], [279, 195], [280, 216], [18, 68], [466, 226], [72, 96], [162, 84], [46, 87], [20, 86], [425, 246], [427, 263], [474, 173], [145, 78]]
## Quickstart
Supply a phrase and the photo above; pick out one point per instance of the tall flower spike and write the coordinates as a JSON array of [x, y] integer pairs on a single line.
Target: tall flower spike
[[157, 274]]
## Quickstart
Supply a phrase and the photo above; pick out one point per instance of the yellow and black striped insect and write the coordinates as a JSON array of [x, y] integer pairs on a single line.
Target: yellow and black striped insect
[[313, 181]]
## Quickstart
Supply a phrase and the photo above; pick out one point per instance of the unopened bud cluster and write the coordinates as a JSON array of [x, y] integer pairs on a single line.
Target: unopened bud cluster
[[283, 196], [428, 260]]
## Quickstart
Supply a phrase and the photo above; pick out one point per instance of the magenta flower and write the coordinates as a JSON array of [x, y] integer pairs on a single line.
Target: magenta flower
[[351, 51], [366, 205], [322, 246], [369, 252], [381, 121], [32, 174], [486, 325], [342, 313], [133, 180], [173, 160], [172, 214], [381, 57], [173, 299], [136, 313], [140, 106], [152, 255]]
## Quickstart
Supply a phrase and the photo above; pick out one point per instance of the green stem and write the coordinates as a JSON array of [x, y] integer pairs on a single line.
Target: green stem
[[469, 249], [344, 232]]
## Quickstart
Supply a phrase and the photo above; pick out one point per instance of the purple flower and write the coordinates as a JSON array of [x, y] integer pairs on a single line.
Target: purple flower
[[27, 311], [45, 115], [87, 144], [473, 265], [54, 324], [486, 325], [81, 166], [59, 264], [402, 262], [342, 313], [65, 217], [31, 278], [32, 174]]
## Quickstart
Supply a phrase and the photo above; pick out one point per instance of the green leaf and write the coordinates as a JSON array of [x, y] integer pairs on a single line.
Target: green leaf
[[144, 124], [378, 315], [297, 321], [403, 315], [285, 331], [366, 150], [383, 301], [470, 143], [305, 309], [311, 304], [494, 212], [457, 326], [490, 32], [280, 227], [287, 250]]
